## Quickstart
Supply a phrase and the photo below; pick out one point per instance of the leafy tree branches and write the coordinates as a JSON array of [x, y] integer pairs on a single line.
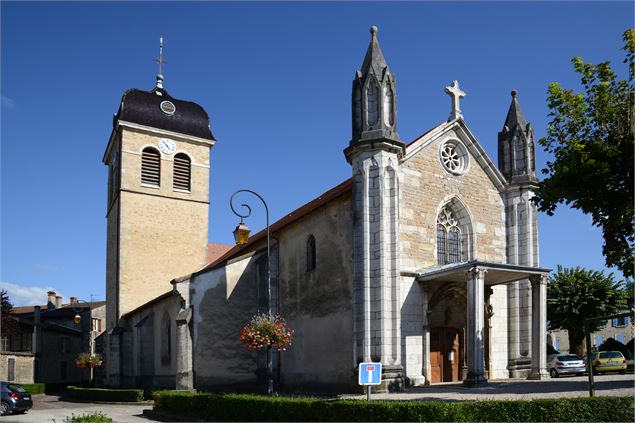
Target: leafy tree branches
[[576, 294], [591, 138]]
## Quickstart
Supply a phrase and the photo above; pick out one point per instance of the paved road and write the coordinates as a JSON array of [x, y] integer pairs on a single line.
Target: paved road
[[50, 409]]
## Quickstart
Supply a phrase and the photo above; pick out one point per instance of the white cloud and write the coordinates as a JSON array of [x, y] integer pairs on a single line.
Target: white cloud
[[26, 295], [7, 103]]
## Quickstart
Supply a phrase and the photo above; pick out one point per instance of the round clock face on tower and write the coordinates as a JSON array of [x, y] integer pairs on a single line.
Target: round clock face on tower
[[167, 146]]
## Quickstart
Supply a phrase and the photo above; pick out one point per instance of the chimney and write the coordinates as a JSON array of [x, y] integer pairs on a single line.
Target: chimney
[[73, 300], [36, 315], [51, 300], [58, 301]]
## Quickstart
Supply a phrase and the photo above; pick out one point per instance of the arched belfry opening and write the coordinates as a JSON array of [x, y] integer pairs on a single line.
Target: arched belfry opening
[[454, 233]]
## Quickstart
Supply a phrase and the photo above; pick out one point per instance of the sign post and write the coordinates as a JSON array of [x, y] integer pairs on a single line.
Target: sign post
[[369, 374]]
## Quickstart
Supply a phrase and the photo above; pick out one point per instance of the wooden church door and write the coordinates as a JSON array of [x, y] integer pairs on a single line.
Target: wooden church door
[[444, 354]]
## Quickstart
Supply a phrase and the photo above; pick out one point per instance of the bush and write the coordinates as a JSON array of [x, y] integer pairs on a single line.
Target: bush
[[240, 407], [33, 388], [613, 345], [97, 417], [108, 395]]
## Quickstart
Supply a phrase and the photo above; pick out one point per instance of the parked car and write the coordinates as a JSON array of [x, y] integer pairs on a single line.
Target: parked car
[[14, 399], [608, 361], [565, 364]]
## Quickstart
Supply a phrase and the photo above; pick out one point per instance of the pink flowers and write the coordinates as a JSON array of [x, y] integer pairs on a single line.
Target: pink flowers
[[264, 330], [88, 360]]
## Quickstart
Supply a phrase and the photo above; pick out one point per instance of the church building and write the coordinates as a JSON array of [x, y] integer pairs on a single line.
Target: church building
[[425, 259]]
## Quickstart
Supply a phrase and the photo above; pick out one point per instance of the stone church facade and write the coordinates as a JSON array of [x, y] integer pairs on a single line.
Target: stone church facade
[[426, 259]]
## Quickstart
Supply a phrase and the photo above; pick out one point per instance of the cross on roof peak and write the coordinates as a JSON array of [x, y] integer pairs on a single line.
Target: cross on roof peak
[[455, 92]]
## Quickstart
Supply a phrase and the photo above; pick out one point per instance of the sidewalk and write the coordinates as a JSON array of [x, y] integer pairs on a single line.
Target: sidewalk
[[516, 389]]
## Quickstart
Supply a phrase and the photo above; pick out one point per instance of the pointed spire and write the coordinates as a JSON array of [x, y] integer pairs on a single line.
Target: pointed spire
[[161, 62], [515, 115], [374, 58]]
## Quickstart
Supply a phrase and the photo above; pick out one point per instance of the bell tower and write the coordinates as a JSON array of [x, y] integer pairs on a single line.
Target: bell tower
[[517, 162], [374, 152], [158, 159]]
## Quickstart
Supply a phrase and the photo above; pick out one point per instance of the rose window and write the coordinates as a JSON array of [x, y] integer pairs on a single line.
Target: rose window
[[454, 157]]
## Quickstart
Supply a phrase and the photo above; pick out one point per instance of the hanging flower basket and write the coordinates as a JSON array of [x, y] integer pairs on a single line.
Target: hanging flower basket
[[264, 330], [86, 360]]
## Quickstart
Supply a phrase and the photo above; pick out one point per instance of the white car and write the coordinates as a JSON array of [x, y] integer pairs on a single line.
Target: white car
[[565, 364]]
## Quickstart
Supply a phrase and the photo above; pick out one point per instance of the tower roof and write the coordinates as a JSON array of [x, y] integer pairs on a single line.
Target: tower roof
[[151, 108], [515, 115], [374, 58]]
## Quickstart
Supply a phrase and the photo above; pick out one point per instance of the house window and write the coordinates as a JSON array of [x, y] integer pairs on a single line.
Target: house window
[[182, 171], [63, 370], [449, 243], [11, 369], [166, 340], [620, 322], [620, 338], [311, 261], [151, 166], [599, 340], [63, 344]]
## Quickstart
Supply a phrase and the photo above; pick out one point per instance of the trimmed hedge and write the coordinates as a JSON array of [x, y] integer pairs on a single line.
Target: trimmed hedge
[[242, 407], [108, 395], [34, 388]]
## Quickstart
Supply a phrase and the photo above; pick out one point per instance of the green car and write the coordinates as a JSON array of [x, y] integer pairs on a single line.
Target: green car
[[608, 361]]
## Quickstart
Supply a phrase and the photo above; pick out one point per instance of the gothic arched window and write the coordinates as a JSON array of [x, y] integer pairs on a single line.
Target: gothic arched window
[[357, 108], [389, 116], [182, 172], [151, 166], [449, 244], [519, 155], [166, 339], [311, 256], [372, 100]]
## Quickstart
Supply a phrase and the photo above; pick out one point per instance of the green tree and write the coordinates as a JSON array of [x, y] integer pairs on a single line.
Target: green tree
[[577, 294], [591, 139]]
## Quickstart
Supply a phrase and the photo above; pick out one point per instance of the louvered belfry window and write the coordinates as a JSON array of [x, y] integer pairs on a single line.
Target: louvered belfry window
[[151, 166], [182, 172]]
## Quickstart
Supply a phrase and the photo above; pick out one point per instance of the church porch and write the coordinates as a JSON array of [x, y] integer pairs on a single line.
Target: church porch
[[457, 320]]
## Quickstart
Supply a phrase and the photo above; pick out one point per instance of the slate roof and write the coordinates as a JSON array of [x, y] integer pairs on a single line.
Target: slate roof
[[143, 107]]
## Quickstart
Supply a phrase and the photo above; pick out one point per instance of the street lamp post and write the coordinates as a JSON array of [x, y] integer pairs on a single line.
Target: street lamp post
[[77, 308], [241, 235]]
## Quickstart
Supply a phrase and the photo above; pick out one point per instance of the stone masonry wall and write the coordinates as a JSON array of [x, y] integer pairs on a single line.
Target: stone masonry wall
[[23, 367], [426, 186], [163, 231], [318, 303]]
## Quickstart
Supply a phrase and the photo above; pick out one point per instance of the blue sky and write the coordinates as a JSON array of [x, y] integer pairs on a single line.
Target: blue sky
[[276, 81]]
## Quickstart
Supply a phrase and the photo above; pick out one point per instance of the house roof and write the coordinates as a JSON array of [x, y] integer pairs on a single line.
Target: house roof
[[214, 251], [31, 309], [148, 304]]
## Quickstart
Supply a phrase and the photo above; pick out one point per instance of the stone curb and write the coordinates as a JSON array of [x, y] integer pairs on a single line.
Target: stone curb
[[148, 402]]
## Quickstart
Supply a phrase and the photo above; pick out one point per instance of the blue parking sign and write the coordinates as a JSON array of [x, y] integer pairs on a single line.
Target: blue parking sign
[[369, 374]]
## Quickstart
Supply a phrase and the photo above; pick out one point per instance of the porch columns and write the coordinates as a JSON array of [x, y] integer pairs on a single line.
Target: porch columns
[[426, 370], [538, 327], [475, 327]]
